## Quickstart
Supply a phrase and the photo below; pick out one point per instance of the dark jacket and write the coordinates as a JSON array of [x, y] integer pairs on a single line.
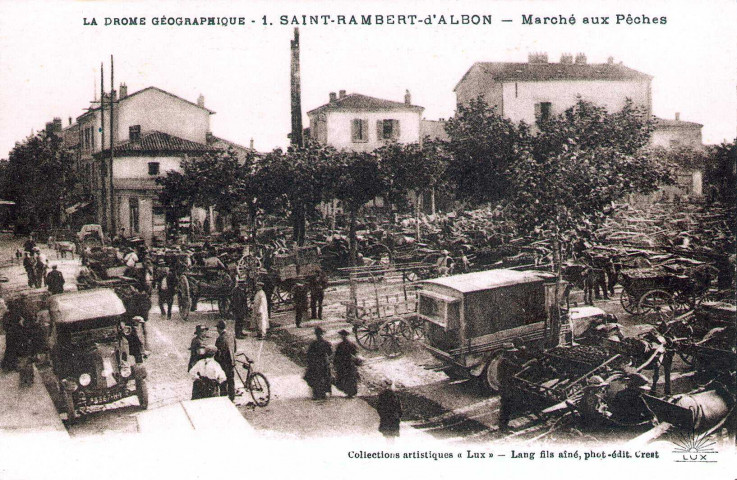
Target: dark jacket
[[317, 375], [389, 408], [226, 351], [55, 281]]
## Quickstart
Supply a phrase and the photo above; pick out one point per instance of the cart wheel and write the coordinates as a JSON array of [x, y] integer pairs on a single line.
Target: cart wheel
[[630, 303], [224, 306], [367, 335], [490, 376], [415, 329], [684, 302], [392, 339], [658, 305]]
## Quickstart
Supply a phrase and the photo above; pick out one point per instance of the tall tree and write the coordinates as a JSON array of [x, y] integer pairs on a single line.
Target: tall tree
[[483, 145], [356, 180], [40, 176], [298, 178]]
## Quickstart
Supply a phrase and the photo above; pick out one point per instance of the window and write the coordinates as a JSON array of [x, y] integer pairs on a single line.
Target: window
[[153, 168], [134, 217], [543, 111], [387, 129], [359, 130]]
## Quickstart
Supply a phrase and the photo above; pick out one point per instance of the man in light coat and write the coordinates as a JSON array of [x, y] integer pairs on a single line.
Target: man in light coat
[[260, 311]]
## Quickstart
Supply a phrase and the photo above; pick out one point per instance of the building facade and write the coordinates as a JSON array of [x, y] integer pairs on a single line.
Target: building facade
[[538, 89], [360, 123], [676, 133]]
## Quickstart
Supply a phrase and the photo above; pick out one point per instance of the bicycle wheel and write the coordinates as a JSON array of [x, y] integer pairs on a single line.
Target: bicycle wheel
[[260, 389]]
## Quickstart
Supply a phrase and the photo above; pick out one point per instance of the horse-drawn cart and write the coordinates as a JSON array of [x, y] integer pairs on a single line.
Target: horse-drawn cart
[[667, 289], [385, 316]]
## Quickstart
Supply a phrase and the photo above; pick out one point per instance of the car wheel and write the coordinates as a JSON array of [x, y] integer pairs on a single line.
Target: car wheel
[[490, 375]]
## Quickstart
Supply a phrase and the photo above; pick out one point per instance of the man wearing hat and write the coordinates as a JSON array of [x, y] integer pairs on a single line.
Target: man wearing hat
[[134, 335], [299, 294], [389, 408], [207, 375], [444, 265], [226, 358], [55, 281], [197, 345], [317, 375], [239, 306], [345, 364]]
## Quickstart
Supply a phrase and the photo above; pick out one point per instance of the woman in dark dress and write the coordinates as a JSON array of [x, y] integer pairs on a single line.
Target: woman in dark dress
[[317, 375], [344, 362], [389, 408]]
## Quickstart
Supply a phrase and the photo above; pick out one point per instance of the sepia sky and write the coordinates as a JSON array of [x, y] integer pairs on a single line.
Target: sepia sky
[[49, 61]]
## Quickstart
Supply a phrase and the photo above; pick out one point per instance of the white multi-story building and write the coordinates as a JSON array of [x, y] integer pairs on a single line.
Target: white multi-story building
[[361, 123], [539, 89]]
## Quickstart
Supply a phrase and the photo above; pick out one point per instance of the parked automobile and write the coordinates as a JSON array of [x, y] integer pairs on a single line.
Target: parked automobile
[[89, 351]]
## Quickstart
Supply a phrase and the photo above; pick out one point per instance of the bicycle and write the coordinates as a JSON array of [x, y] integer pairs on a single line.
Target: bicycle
[[255, 382]]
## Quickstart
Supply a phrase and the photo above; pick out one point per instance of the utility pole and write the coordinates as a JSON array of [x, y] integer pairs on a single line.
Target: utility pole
[[103, 200], [296, 136], [113, 230]]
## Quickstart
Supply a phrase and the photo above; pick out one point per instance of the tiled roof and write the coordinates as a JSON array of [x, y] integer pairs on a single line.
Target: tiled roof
[[159, 142], [356, 101], [540, 72], [667, 123], [145, 90]]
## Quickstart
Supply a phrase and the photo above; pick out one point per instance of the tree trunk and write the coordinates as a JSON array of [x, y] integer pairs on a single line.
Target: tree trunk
[[418, 198], [352, 246]]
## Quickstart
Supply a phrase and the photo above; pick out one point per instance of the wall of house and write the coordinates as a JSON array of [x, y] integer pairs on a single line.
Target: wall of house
[[675, 137], [339, 128], [519, 103], [137, 167], [155, 110], [145, 213], [473, 86]]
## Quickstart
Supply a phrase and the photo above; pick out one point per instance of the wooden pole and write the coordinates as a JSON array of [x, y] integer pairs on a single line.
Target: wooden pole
[[112, 156]]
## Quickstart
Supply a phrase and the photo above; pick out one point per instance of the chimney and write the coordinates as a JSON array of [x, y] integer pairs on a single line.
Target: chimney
[[123, 91], [580, 59], [407, 98], [201, 101], [115, 95], [250, 145], [333, 98], [209, 138], [678, 116], [134, 133], [57, 124], [341, 93], [70, 120], [610, 60], [566, 59]]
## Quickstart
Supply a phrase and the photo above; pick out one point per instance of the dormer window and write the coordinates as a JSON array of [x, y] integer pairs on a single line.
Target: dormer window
[[134, 133]]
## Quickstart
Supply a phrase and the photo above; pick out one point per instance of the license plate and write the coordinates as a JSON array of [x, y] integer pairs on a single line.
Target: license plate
[[105, 398]]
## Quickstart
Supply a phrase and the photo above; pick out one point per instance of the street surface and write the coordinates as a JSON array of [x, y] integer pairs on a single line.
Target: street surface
[[433, 403]]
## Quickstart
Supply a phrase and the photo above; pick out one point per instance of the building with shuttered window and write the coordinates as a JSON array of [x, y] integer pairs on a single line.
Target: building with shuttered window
[[361, 123], [539, 89]]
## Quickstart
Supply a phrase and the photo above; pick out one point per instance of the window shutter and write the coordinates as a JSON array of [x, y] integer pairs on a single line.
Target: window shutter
[[395, 129], [364, 130], [538, 111], [379, 129], [355, 127]]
